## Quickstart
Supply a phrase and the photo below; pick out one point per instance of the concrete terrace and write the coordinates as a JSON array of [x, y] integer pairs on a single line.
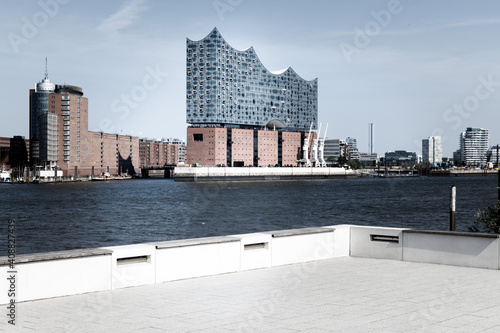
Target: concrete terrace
[[346, 294]]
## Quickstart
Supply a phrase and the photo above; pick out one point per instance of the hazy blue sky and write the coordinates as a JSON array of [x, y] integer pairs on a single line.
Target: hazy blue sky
[[413, 68]]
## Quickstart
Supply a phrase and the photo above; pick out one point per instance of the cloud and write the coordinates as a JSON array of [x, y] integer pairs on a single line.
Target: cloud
[[123, 18], [473, 23], [478, 22]]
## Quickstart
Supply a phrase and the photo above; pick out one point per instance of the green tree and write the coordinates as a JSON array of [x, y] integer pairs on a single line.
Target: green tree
[[487, 220], [342, 161], [355, 164]]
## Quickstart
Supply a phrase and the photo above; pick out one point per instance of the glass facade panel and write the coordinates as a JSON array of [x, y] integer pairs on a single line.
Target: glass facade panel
[[231, 87]]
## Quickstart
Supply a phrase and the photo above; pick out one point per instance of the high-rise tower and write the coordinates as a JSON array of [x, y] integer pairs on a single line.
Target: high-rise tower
[[40, 121], [432, 150], [473, 146]]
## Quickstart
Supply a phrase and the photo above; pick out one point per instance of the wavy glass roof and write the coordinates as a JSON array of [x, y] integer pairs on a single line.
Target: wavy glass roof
[[226, 86]]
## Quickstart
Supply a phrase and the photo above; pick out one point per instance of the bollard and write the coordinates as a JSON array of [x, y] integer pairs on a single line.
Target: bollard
[[498, 185], [453, 207]]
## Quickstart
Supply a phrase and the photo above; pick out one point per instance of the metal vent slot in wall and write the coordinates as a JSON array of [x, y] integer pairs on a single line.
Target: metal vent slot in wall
[[132, 260], [384, 238], [255, 246]]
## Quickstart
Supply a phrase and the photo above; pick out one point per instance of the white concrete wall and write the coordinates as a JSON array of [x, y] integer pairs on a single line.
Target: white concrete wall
[[362, 245], [79, 271], [296, 247], [127, 272], [61, 277], [255, 251], [182, 260], [460, 249], [341, 240]]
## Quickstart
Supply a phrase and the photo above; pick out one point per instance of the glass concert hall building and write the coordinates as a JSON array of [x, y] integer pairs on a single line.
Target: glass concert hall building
[[239, 112]]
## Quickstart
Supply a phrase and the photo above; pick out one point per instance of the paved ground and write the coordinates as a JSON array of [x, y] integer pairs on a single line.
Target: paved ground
[[343, 295]]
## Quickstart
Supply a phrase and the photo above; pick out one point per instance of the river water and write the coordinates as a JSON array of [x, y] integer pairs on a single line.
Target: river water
[[61, 216]]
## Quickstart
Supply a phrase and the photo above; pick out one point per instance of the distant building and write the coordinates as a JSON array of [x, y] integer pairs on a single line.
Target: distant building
[[400, 157], [157, 153], [14, 152], [240, 113], [334, 148], [59, 136], [432, 150], [457, 160], [473, 146], [493, 155], [352, 147], [368, 159]]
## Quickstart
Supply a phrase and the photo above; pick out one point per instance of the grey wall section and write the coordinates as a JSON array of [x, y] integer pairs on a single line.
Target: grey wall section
[[227, 86]]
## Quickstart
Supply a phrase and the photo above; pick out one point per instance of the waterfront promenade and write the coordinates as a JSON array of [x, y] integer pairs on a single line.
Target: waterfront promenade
[[346, 294]]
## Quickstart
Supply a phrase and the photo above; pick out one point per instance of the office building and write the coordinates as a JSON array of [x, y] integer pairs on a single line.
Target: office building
[[473, 146], [432, 150], [368, 159], [334, 148], [240, 113], [400, 158]]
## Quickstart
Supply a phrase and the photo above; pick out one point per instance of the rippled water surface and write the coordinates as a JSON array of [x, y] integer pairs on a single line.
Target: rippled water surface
[[51, 217]]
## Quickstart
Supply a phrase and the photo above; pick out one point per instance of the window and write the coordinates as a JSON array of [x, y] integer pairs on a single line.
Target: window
[[198, 137]]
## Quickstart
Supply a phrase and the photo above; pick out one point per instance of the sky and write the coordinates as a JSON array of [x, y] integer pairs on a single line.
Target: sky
[[413, 68]]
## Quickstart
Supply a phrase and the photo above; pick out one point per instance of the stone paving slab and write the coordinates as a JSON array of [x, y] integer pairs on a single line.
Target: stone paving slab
[[335, 295]]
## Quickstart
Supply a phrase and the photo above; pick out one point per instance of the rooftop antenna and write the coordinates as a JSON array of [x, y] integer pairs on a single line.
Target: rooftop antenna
[[46, 69]]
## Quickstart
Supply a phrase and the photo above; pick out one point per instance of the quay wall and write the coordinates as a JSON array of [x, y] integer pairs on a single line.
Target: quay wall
[[462, 173], [194, 174], [62, 273]]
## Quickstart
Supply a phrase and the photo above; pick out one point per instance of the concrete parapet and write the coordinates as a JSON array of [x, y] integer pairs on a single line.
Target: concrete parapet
[[255, 251], [452, 248], [301, 245], [183, 259], [132, 265], [379, 243], [63, 273], [341, 240], [54, 274]]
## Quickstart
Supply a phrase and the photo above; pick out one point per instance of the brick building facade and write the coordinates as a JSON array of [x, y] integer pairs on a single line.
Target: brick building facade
[[211, 146], [157, 153]]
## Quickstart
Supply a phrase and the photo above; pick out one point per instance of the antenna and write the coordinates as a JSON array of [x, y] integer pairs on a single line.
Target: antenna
[[46, 69]]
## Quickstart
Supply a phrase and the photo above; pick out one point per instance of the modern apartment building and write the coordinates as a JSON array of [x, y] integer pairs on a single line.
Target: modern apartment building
[[240, 113], [474, 143], [432, 150], [352, 147]]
